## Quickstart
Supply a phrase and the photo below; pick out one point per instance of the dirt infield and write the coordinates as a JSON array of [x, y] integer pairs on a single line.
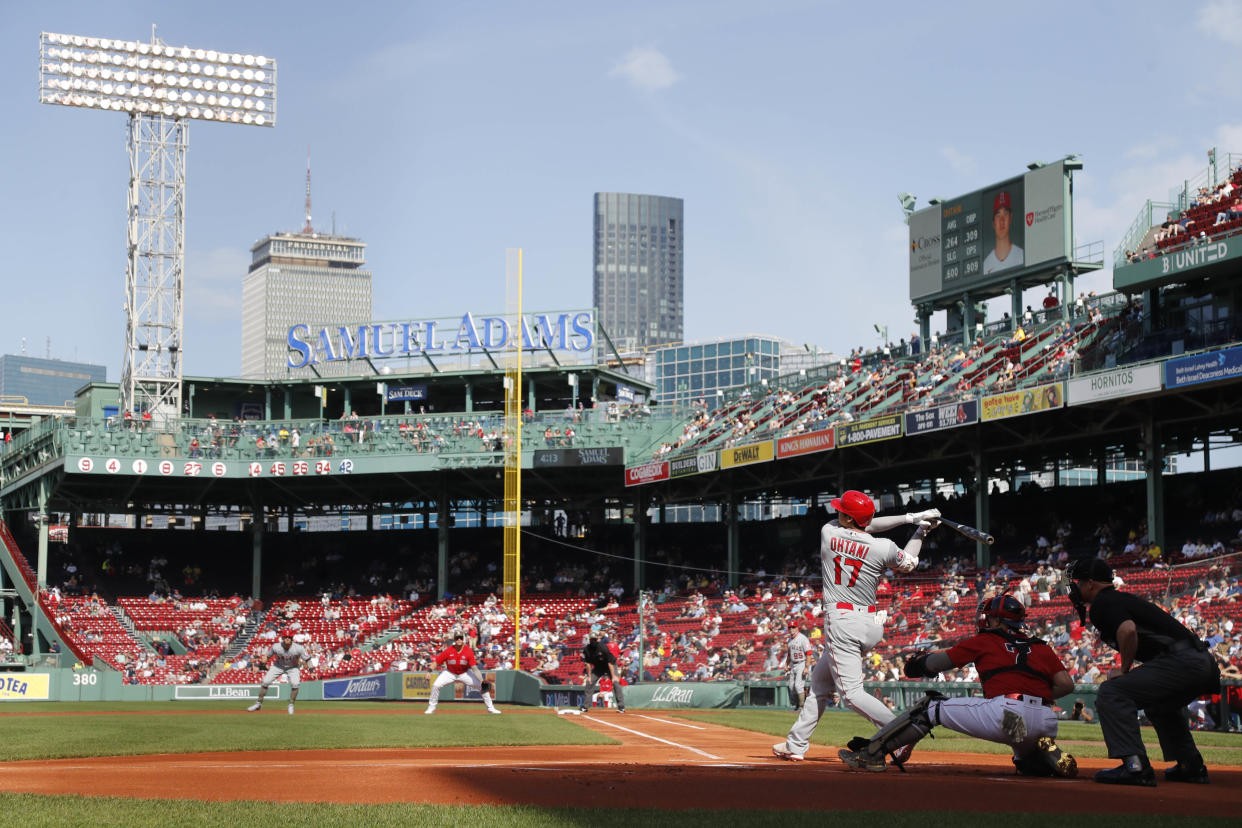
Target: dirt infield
[[661, 762]]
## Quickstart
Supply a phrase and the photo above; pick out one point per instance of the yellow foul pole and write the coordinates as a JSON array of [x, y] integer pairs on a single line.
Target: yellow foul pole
[[512, 594]]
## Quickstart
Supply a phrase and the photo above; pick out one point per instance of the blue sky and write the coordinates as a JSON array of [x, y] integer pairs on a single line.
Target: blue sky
[[443, 133]]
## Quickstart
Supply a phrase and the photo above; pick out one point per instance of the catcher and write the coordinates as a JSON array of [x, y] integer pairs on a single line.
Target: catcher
[[1020, 675]]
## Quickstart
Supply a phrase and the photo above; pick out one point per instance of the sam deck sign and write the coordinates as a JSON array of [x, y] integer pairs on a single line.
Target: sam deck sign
[[941, 417]]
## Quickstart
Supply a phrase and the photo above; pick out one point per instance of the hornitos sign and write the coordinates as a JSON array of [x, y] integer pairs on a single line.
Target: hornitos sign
[[1120, 382], [565, 331]]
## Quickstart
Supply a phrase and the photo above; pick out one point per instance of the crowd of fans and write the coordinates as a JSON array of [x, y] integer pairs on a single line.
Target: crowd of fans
[[1212, 211]]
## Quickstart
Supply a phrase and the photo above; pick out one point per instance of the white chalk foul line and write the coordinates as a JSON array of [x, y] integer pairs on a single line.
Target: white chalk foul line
[[655, 738], [670, 721]]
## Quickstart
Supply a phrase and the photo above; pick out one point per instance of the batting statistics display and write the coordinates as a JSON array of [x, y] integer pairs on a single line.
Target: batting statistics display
[[991, 235]]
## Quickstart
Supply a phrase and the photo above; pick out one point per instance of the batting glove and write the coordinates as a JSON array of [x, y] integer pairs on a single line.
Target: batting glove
[[928, 514]]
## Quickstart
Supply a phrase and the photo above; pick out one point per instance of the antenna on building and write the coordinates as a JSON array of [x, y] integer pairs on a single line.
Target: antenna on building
[[49, 347], [334, 222], [23, 346], [308, 228]]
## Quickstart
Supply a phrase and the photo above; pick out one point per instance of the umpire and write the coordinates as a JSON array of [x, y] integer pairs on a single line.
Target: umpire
[[603, 664], [1176, 669]]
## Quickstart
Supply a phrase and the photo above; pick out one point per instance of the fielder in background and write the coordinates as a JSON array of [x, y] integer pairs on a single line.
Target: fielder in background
[[603, 664], [853, 562], [459, 665], [1021, 676], [799, 650], [287, 660], [1176, 669]]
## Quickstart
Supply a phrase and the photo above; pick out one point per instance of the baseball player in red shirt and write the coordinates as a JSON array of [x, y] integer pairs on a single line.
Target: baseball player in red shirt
[[459, 665], [1020, 675]]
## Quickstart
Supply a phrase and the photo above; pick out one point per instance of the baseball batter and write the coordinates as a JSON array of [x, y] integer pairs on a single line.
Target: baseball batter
[[799, 650], [287, 659], [1020, 676], [459, 665], [853, 562]]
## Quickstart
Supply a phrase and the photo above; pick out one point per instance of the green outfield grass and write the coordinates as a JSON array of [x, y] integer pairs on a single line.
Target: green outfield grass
[[114, 730], [31, 811], [838, 727]]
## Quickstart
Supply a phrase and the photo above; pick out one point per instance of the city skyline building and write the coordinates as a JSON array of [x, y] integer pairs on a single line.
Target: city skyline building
[[300, 278], [40, 381], [638, 269]]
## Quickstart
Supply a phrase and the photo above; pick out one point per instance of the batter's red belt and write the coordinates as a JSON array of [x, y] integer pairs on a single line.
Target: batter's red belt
[[848, 606], [1029, 699]]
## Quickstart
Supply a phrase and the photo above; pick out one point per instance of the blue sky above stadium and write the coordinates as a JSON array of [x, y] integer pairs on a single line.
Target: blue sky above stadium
[[443, 133]]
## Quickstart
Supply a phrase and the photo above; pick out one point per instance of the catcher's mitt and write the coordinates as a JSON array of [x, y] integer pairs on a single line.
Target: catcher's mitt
[[916, 666]]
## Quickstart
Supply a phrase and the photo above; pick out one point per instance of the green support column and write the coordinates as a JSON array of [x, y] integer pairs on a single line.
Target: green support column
[[469, 397], [267, 403], [1153, 453], [349, 402], [1015, 304], [531, 400], [968, 320], [982, 552], [733, 538], [288, 404], [41, 570], [257, 528], [442, 533], [641, 502]]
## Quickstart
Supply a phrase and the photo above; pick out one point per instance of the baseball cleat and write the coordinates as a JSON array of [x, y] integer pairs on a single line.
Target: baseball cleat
[[290, 708], [781, 751], [256, 706], [861, 761], [493, 710], [429, 711], [1123, 775], [902, 755], [1183, 773], [1014, 727], [620, 709], [1061, 764]]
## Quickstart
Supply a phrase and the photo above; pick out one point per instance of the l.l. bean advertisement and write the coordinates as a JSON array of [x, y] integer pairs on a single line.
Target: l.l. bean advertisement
[[1023, 401]]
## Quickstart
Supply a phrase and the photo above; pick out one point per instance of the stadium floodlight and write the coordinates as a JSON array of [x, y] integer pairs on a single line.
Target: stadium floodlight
[[160, 87]]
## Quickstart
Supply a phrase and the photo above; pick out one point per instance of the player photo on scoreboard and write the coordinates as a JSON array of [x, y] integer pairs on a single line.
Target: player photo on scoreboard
[[1004, 234]]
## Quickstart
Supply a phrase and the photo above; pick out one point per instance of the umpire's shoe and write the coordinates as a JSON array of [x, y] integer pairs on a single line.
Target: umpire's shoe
[[1186, 773], [1123, 774]]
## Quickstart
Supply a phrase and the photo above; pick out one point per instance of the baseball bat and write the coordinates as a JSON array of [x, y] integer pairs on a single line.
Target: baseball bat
[[969, 531]]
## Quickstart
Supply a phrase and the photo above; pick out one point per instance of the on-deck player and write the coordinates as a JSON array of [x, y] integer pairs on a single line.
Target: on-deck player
[[799, 649], [1021, 676], [287, 659], [459, 665], [853, 562]]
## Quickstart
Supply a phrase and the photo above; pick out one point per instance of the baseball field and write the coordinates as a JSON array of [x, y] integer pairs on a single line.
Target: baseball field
[[364, 763]]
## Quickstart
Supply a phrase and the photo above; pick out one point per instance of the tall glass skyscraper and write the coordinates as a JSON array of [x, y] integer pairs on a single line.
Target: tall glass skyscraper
[[638, 269]]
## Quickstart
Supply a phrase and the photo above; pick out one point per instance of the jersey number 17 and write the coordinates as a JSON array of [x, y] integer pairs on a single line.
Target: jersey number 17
[[851, 563]]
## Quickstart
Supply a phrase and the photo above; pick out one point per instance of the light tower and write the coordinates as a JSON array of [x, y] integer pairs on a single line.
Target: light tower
[[160, 87]]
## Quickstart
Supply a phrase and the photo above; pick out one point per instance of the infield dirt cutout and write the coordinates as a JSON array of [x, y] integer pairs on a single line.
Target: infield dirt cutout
[[661, 762]]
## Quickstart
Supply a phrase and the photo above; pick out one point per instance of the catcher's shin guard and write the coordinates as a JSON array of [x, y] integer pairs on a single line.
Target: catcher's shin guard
[[907, 729]]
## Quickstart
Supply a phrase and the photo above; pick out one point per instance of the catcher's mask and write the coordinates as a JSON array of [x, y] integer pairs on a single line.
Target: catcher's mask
[[1006, 608]]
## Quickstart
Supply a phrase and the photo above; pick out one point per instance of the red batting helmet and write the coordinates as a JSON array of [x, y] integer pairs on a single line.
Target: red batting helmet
[[1005, 607], [286, 633], [857, 505]]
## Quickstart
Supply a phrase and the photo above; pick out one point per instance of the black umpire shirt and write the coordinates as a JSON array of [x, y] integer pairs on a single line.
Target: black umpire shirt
[[597, 654], [1157, 630]]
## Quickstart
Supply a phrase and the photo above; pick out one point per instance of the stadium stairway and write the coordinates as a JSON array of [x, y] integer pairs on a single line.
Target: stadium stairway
[[124, 620], [22, 576], [242, 640]]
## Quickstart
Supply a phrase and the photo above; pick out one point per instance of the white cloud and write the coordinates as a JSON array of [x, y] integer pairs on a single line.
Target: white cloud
[[961, 163], [1221, 19], [646, 68]]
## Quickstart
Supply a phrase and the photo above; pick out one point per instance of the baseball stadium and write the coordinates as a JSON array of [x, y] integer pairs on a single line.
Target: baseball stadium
[[235, 601]]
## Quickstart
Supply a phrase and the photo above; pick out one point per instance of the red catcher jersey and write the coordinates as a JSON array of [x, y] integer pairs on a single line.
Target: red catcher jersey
[[990, 651], [456, 661]]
